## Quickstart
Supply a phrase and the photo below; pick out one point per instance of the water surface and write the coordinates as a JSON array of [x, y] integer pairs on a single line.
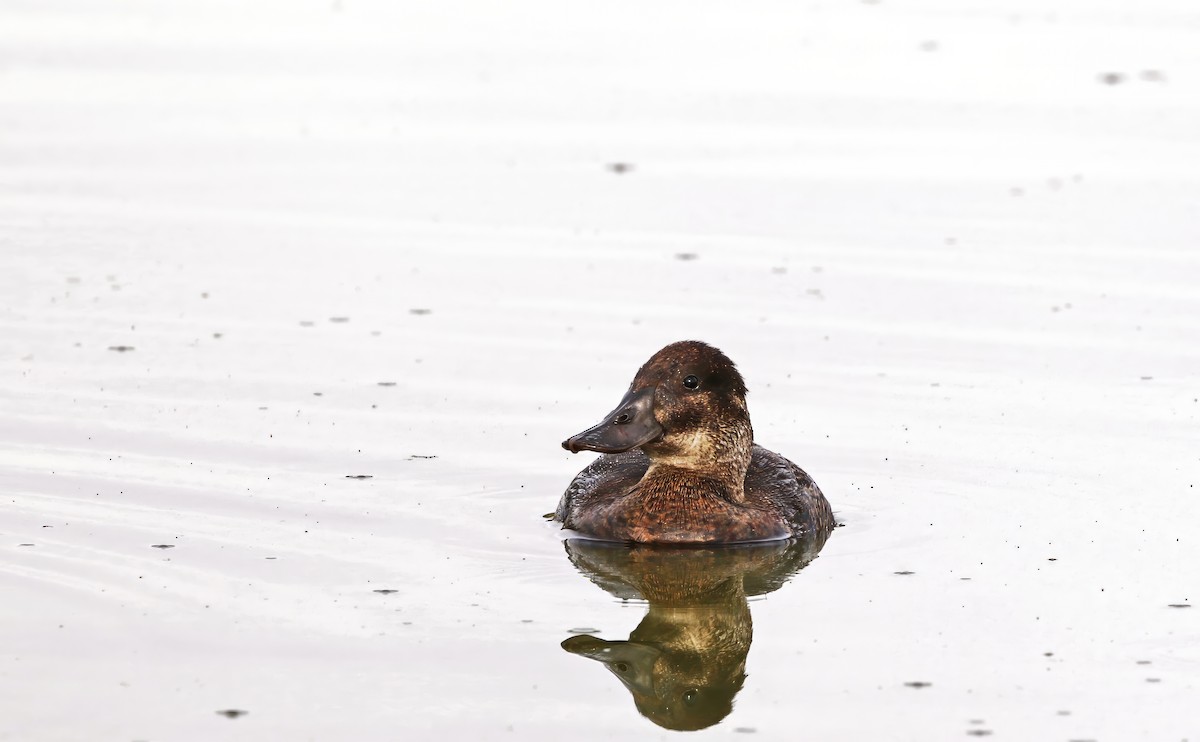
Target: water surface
[[297, 301]]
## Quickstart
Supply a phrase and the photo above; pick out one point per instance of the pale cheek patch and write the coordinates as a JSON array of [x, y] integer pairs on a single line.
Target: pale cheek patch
[[688, 449]]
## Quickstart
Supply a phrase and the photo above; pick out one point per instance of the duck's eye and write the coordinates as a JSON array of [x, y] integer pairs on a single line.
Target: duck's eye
[[691, 696], [691, 382]]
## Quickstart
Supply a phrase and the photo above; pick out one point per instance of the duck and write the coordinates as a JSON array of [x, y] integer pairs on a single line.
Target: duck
[[679, 464]]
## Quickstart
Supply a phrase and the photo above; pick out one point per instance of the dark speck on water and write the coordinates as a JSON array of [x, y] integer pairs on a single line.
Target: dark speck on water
[[979, 732], [620, 168], [918, 684], [306, 323], [419, 456], [121, 348], [686, 256], [339, 319], [1179, 605], [420, 312], [904, 572], [385, 591], [1112, 78], [232, 713], [744, 730], [162, 546], [387, 383], [359, 476]]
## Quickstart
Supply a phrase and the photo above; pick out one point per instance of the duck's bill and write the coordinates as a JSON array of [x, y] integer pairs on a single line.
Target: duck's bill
[[632, 662], [631, 425]]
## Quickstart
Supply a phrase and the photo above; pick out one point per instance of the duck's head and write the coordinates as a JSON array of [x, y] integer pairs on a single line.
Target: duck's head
[[687, 682], [686, 408]]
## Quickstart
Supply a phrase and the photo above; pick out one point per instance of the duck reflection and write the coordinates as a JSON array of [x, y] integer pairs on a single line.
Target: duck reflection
[[686, 660]]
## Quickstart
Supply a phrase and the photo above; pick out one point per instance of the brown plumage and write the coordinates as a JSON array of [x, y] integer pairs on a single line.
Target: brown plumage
[[681, 465]]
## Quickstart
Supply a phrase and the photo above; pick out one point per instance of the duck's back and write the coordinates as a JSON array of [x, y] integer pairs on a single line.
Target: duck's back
[[775, 480], [772, 483]]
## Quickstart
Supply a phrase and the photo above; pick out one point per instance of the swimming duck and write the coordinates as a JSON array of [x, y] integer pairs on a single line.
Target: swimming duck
[[681, 465]]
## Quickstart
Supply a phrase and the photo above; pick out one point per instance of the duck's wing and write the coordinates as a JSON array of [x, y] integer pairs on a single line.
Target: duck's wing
[[607, 478], [776, 482]]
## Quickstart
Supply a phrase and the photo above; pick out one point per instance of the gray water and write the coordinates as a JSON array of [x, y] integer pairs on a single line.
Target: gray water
[[298, 301]]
